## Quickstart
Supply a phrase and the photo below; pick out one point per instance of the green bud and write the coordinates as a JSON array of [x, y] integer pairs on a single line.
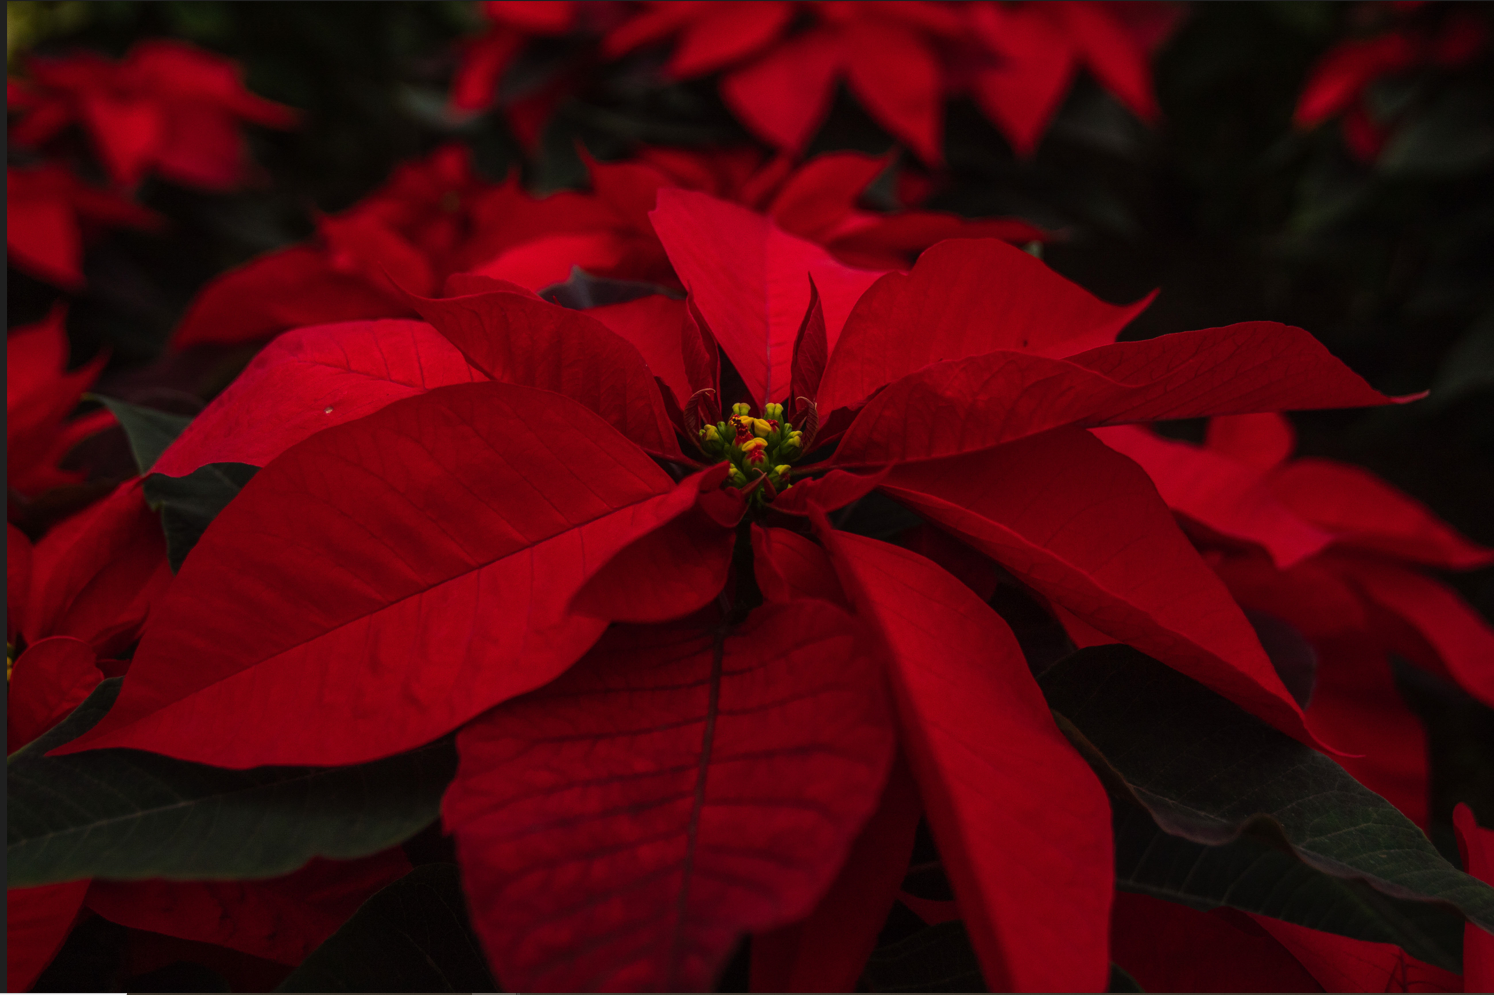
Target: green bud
[[774, 411], [741, 409]]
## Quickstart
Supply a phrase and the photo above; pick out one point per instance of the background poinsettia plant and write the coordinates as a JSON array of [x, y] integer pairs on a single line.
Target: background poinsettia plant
[[639, 496]]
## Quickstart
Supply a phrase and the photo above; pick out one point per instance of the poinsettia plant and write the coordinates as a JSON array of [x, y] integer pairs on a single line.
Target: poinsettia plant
[[736, 570], [699, 692]]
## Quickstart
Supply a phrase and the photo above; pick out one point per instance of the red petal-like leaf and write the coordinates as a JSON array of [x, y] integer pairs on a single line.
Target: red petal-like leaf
[[1117, 59], [1356, 706], [725, 33], [751, 281], [281, 919], [50, 679], [415, 567], [897, 79], [522, 340], [652, 324], [1262, 440], [1036, 63], [1366, 513], [37, 920], [1021, 821], [810, 351], [827, 951], [1342, 964], [288, 288], [670, 572], [1220, 493], [1084, 526], [1169, 947], [311, 379], [1477, 846], [98, 575], [789, 566], [1451, 631], [964, 297], [984, 400], [620, 828], [819, 195], [785, 95]]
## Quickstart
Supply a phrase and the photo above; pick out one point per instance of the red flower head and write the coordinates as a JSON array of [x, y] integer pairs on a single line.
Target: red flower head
[[167, 106], [682, 692]]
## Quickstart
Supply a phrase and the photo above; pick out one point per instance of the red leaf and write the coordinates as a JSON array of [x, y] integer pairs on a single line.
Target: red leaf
[[281, 919], [818, 196], [37, 920], [896, 78], [40, 393], [835, 489], [1262, 440], [675, 569], [1021, 821], [620, 828], [1341, 964], [1116, 58], [1356, 706], [751, 281], [1366, 513], [549, 259], [99, 575], [1083, 526], [808, 365], [1036, 64], [50, 679], [312, 379], [827, 951], [789, 566], [725, 33], [652, 325], [1169, 947], [1477, 846], [415, 567], [534, 343], [1220, 493], [785, 96], [1457, 636], [964, 297], [982, 401], [284, 289]]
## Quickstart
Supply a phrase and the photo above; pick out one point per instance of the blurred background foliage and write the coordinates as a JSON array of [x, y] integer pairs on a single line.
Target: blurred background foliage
[[1229, 209]]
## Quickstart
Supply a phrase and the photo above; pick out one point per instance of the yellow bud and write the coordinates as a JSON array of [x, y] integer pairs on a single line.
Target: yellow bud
[[761, 427], [783, 470], [774, 411], [752, 444], [741, 409], [710, 434]]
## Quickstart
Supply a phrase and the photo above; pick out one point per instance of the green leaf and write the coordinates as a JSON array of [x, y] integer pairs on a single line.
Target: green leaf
[[1121, 980], [1209, 772], [189, 504], [413, 936], [149, 431], [1252, 876], [128, 815], [581, 290], [936, 959]]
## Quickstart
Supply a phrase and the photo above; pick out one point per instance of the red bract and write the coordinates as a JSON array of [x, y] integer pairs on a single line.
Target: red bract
[[1341, 556], [48, 211], [436, 218], [654, 761], [484, 58], [899, 59], [167, 107], [39, 396]]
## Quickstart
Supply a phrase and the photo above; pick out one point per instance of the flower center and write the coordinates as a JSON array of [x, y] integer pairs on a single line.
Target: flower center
[[760, 450]]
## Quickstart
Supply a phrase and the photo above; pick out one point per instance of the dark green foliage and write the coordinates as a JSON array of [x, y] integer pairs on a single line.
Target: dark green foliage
[[936, 959], [148, 430], [189, 504], [125, 814], [1209, 772], [412, 936]]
